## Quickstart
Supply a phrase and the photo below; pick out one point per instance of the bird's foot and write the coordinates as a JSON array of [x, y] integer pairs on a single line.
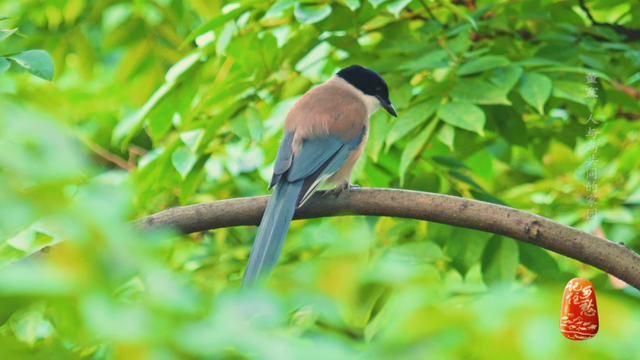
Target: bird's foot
[[338, 190]]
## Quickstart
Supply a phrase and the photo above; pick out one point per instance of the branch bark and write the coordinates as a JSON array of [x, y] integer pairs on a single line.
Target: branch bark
[[613, 258]]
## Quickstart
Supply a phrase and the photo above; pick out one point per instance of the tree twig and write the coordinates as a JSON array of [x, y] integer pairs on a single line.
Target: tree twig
[[613, 258], [629, 90], [631, 34], [107, 155]]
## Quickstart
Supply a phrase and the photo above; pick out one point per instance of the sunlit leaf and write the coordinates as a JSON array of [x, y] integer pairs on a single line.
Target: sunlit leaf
[[5, 33], [4, 65], [376, 3], [311, 14], [463, 115], [397, 6], [181, 66], [26, 323], [38, 62], [183, 160], [216, 22], [353, 5], [479, 92], [570, 90], [535, 90], [191, 138], [446, 135]]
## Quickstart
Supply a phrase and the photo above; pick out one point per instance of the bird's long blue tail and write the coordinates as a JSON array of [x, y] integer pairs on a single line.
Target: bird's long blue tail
[[272, 232]]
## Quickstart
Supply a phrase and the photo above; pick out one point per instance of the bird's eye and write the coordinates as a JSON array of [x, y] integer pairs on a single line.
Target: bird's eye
[[378, 89]]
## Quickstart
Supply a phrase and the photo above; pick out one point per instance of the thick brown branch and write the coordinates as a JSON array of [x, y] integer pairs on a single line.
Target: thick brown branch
[[613, 258]]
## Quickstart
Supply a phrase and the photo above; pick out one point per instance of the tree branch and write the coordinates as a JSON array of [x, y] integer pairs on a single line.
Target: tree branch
[[613, 258]]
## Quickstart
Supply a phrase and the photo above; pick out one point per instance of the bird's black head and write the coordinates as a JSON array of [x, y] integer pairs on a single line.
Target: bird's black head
[[370, 83]]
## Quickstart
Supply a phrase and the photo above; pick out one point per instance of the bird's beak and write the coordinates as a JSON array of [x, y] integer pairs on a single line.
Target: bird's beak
[[386, 104]]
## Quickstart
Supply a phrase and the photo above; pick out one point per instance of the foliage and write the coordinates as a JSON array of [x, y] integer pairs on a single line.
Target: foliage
[[160, 103]]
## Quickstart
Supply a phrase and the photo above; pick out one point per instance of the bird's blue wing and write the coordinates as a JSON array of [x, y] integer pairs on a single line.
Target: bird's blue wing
[[313, 154], [318, 159]]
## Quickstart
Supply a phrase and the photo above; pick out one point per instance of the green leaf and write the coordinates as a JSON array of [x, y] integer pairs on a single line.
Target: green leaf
[[436, 59], [353, 5], [450, 162], [633, 78], [458, 11], [311, 14], [4, 65], [447, 135], [254, 123], [191, 138], [539, 261], [402, 95], [410, 119], [570, 90], [417, 252], [397, 6], [38, 62], [479, 92], [192, 180], [413, 148], [214, 124], [377, 132], [506, 77], [248, 124], [216, 22], [161, 118], [463, 115], [579, 70], [214, 168], [465, 246], [278, 8], [26, 322], [130, 125], [510, 125], [375, 3], [535, 90], [183, 160], [483, 64], [5, 33], [499, 260], [181, 66], [535, 62], [633, 198]]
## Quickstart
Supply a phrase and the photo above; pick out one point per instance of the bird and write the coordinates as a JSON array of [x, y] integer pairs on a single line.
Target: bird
[[324, 134]]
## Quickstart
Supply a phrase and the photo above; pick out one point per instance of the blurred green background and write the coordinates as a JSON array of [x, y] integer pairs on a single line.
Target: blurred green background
[[161, 103]]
